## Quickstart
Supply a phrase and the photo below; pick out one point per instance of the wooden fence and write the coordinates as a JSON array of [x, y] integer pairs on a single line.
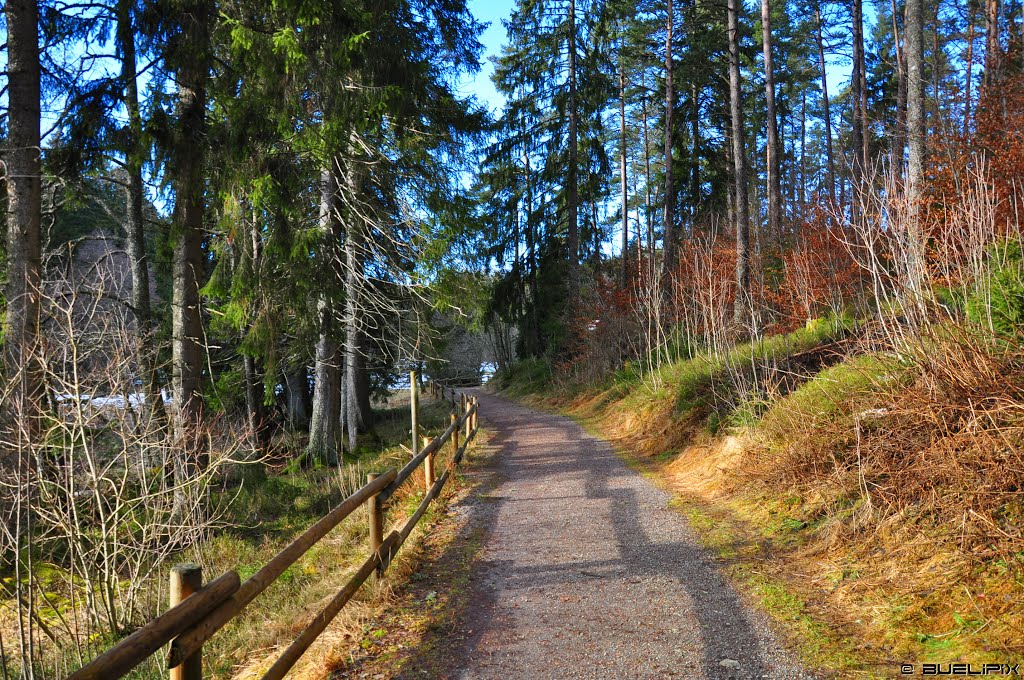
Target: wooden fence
[[199, 610]]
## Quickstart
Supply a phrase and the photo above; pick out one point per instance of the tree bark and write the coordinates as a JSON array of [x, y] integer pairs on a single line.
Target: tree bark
[[572, 193], [648, 214], [914, 37], [741, 308], [803, 154], [299, 403], [993, 51], [357, 408], [695, 193], [668, 263], [859, 165], [969, 72], [24, 213], [325, 423], [534, 339], [622, 171], [134, 225], [193, 65], [774, 166], [936, 108], [830, 163], [899, 143]]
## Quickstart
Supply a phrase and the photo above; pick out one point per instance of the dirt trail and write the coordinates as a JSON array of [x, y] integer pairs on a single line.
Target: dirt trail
[[586, 573]]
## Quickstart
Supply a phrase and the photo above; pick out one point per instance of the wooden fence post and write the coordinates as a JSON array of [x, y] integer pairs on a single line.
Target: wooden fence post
[[376, 523], [428, 468], [469, 418], [413, 399], [476, 413], [185, 580], [455, 437]]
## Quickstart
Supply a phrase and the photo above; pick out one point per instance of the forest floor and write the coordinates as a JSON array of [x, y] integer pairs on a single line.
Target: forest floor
[[564, 562]]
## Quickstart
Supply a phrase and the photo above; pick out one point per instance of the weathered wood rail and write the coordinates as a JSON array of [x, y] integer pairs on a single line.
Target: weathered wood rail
[[198, 611]]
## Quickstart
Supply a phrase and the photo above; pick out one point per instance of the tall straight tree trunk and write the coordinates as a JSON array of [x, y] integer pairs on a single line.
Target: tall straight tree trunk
[[135, 228], [899, 143], [936, 108], [668, 263], [741, 308], [695, 193], [531, 245], [992, 48], [622, 171], [357, 393], [647, 191], [24, 215], [915, 99], [251, 247], [969, 73], [192, 65], [573, 188], [774, 166], [803, 154], [325, 423], [857, 91], [829, 160]]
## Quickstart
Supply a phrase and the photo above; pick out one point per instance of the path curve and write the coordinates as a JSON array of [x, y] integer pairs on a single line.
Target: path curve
[[586, 572]]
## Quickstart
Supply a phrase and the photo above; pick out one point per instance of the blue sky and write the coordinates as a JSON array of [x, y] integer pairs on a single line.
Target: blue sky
[[492, 12]]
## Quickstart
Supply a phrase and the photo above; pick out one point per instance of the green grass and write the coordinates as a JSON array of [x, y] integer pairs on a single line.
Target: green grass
[[818, 644], [830, 392]]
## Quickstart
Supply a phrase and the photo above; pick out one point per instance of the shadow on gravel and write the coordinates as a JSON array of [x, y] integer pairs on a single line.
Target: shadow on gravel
[[725, 630]]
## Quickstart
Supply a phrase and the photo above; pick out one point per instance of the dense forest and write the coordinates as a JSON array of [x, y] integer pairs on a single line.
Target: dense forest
[[234, 227]]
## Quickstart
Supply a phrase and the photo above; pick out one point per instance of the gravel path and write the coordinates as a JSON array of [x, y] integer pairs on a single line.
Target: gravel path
[[586, 573]]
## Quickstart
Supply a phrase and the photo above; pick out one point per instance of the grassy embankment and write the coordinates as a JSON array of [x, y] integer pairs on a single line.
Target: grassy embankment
[[872, 504]]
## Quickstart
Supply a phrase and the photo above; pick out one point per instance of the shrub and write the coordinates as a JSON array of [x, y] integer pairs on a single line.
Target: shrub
[[999, 302]]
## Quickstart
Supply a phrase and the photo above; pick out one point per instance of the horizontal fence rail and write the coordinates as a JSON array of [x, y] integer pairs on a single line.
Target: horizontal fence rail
[[198, 611]]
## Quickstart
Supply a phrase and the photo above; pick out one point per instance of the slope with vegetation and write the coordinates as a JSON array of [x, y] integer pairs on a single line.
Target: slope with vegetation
[[869, 499]]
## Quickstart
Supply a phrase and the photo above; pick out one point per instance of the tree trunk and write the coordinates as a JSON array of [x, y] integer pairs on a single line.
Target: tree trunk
[[936, 108], [622, 171], [134, 226], [24, 214], [668, 263], [914, 36], [859, 166], [356, 381], [325, 423], [774, 166], [741, 308], [299, 403], [899, 143], [803, 154], [993, 51], [255, 411], [969, 73], [572, 198], [830, 163], [647, 190], [533, 338], [188, 174], [695, 193]]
